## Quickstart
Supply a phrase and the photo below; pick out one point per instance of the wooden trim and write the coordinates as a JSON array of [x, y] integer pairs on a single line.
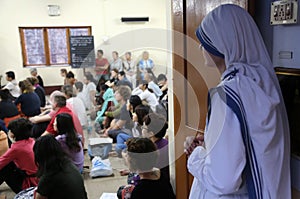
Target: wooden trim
[[23, 47], [251, 7], [287, 71], [182, 176], [24, 53], [46, 47], [46, 43], [288, 74], [37, 27], [50, 89], [68, 45], [186, 15]]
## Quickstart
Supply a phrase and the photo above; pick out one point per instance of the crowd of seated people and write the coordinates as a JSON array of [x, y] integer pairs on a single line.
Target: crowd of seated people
[[122, 103], [25, 118], [22, 167], [139, 110], [116, 91]]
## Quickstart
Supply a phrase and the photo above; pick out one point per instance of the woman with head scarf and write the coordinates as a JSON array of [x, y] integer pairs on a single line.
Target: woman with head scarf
[[246, 149]]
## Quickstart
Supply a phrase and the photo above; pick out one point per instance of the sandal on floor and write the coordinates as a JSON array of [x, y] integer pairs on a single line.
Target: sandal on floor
[[124, 172]]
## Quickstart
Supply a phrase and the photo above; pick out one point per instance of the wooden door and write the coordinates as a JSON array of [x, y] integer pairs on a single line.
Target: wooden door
[[191, 79]]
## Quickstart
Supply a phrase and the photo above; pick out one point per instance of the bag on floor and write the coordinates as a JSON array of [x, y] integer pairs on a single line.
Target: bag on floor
[[99, 147], [26, 193], [100, 168]]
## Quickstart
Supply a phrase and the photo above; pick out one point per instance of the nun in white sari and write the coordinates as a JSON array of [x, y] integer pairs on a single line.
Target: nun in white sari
[[246, 150]]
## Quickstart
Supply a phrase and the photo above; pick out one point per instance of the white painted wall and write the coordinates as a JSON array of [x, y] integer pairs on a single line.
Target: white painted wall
[[104, 17]]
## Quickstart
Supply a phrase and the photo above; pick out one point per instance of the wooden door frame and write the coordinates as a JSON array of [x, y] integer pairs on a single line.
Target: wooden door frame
[[179, 27]]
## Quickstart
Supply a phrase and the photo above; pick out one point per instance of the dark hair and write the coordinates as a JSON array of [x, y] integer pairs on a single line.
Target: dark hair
[[63, 70], [60, 100], [5, 95], [100, 51], [49, 155], [135, 100], [157, 124], [115, 52], [104, 87], [122, 73], [21, 128], [142, 154], [67, 90], [10, 74], [70, 74], [79, 86], [161, 77], [65, 125], [129, 53], [115, 70], [141, 111], [145, 83], [101, 82]]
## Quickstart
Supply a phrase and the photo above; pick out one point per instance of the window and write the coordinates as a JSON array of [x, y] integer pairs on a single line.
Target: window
[[48, 45]]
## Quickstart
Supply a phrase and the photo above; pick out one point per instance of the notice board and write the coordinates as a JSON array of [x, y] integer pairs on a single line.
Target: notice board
[[82, 51]]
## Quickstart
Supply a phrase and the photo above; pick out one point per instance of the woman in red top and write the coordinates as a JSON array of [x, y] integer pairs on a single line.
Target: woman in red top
[[17, 165]]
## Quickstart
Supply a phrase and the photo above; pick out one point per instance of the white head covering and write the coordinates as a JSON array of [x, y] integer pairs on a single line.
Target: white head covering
[[239, 40], [232, 32]]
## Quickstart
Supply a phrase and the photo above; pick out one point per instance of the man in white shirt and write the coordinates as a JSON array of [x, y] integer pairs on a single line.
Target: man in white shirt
[[76, 104], [146, 95], [152, 85], [12, 84], [79, 92], [89, 91]]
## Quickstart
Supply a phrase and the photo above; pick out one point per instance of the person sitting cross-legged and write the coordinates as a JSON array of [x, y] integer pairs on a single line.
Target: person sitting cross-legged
[[17, 165], [121, 123]]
